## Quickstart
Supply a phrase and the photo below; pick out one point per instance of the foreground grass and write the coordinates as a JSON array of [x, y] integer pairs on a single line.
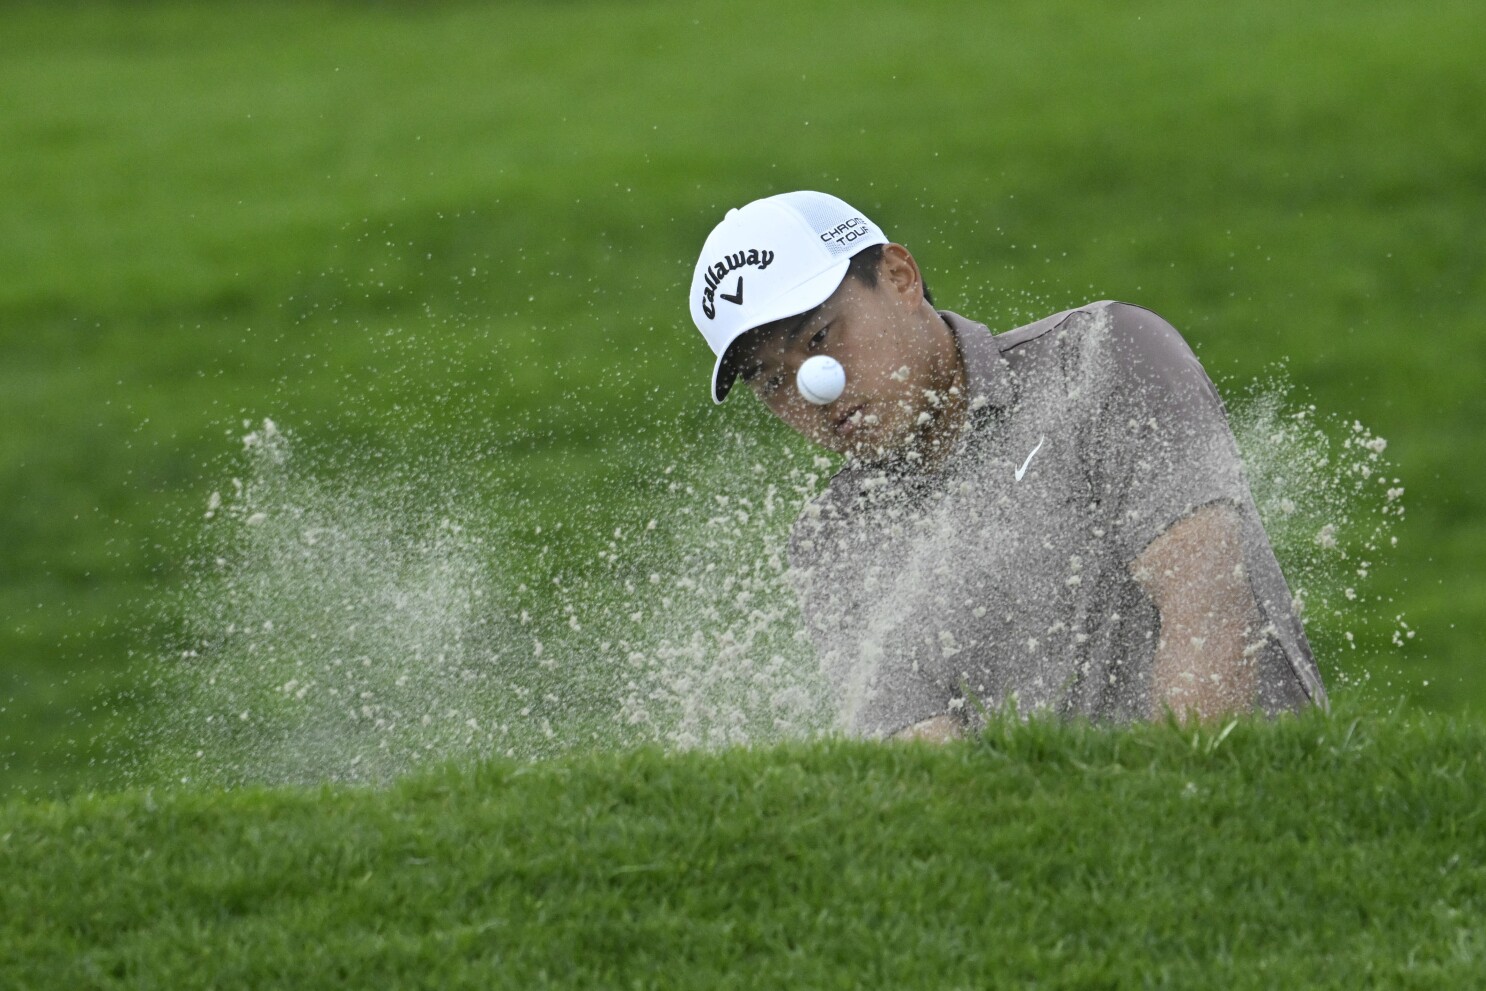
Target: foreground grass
[[1328, 851]]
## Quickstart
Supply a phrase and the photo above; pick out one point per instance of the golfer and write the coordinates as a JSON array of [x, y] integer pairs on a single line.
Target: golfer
[[1054, 518]]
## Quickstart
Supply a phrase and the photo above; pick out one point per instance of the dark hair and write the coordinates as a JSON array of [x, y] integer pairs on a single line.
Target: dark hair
[[864, 265]]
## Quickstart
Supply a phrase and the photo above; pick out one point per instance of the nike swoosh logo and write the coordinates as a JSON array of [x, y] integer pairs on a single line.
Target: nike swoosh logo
[[1023, 469], [737, 296]]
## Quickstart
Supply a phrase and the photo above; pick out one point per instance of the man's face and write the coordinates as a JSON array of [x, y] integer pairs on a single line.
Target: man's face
[[877, 334]]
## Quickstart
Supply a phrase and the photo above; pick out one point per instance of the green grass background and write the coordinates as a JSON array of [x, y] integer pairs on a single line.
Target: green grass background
[[448, 243], [404, 229]]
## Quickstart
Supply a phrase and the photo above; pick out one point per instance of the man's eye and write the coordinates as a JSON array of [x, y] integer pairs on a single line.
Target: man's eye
[[820, 336]]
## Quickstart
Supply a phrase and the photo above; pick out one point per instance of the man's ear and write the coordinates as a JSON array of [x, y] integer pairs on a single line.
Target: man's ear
[[899, 272]]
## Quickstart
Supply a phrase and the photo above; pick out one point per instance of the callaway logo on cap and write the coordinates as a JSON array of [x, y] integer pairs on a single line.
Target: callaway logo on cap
[[772, 259]]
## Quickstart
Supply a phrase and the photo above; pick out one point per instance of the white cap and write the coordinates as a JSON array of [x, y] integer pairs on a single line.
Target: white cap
[[772, 259]]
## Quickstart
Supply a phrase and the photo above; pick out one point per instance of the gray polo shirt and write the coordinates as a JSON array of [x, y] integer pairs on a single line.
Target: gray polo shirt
[[1004, 573]]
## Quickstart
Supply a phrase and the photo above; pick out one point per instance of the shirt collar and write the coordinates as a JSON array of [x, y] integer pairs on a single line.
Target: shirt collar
[[987, 375]]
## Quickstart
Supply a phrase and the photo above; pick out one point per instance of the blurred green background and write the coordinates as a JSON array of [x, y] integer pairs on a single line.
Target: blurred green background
[[465, 230]]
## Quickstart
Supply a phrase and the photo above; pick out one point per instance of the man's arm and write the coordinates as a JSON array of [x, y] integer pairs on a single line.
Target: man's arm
[[1194, 573], [936, 729]]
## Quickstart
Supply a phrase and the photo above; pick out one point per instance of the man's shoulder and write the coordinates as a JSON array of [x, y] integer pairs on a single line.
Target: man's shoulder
[[1124, 323], [1108, 340]]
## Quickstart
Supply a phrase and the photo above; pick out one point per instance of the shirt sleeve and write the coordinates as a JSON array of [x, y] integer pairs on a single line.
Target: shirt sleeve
[[1162, 447], [1172, 451]]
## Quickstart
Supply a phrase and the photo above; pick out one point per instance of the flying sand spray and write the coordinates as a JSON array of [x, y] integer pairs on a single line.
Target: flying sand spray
[[353, 627], [346, 622]]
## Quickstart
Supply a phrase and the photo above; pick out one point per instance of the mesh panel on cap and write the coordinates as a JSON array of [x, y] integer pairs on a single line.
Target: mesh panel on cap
[[823, 215]]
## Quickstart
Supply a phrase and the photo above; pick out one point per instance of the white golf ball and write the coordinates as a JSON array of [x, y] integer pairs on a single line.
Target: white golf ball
[[821, 379]]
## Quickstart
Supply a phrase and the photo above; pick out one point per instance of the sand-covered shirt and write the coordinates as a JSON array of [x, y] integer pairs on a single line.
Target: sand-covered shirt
[[1005, 573]]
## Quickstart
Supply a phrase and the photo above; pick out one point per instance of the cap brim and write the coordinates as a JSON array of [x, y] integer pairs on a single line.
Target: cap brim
[[806, 296], [724, 377]]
